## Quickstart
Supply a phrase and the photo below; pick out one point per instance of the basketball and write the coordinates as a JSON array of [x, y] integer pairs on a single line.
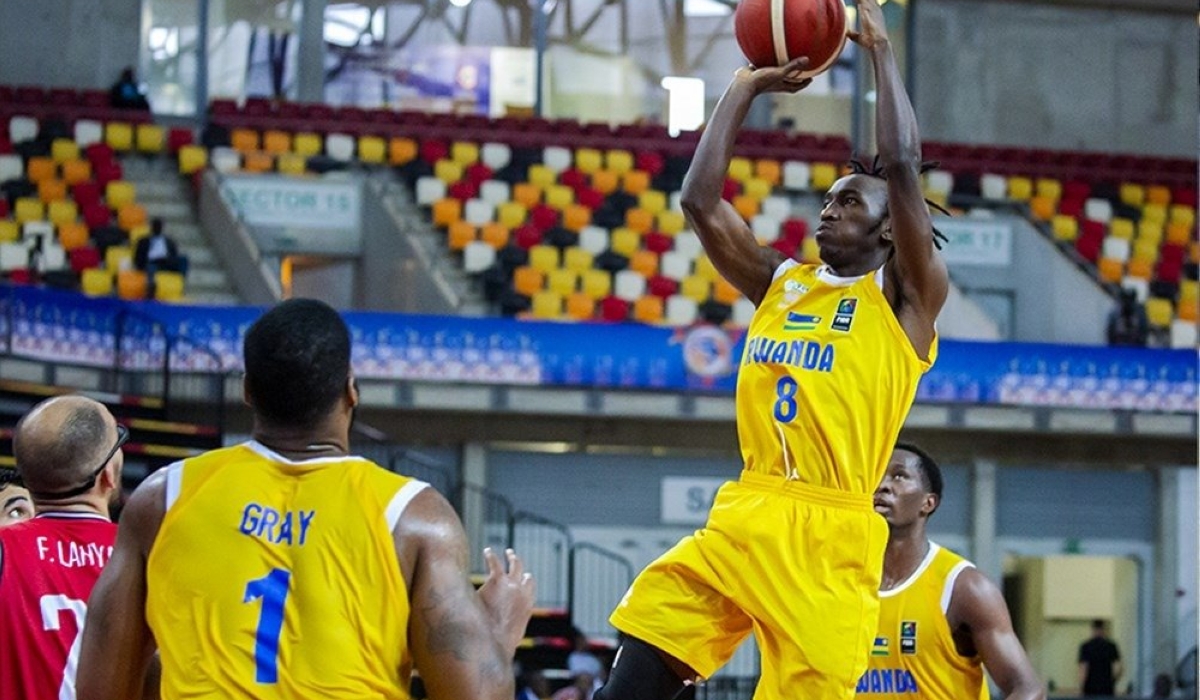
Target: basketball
[[773, 32]]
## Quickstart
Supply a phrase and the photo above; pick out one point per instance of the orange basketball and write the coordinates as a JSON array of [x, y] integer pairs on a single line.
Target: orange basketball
[[773, 32]]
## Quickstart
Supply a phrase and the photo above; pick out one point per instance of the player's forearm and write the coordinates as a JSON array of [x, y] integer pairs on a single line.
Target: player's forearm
[[705, 180], [1029, 689], [895, 122]]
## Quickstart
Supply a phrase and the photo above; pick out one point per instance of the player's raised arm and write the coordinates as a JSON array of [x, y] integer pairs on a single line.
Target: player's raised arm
[[462, 645], [977, 608], [923, 277], [727, 238], [117, 644]]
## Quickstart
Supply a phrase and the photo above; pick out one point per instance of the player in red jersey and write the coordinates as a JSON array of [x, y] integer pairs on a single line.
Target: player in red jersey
[[68, 452]]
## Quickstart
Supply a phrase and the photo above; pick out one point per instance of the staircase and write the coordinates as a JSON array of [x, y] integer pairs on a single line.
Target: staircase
[[167, 195]]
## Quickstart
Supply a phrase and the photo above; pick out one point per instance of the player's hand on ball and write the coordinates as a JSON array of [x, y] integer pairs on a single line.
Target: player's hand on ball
[[872, 29], [785, 78], [508, 595]]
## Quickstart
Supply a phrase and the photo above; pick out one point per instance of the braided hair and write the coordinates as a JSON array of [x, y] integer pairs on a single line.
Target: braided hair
[[858, 167]]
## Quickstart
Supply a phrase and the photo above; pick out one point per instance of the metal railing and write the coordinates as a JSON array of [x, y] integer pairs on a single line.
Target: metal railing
[[544, 546], [596, 580], [488, 519]]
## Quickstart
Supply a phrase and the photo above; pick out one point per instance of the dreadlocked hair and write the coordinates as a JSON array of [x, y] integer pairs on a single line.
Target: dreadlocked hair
[[858, 167]]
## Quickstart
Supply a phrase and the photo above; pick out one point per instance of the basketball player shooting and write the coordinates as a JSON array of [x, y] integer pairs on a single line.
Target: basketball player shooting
[[793, 550]]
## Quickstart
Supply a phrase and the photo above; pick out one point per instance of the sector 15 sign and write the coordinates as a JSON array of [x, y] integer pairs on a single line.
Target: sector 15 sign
[[286, 202]]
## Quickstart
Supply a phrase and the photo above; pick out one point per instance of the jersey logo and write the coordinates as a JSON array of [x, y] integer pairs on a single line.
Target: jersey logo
[[908, 637], [801, 322], [792, 291], [845, 314], [881, 647]]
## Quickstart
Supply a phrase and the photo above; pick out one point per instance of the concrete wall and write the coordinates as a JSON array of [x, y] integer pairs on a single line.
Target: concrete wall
[[67, 43]]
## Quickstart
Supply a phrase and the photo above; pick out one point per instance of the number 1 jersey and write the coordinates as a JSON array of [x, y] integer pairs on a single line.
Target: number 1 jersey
[[48, 566], [271, 578]]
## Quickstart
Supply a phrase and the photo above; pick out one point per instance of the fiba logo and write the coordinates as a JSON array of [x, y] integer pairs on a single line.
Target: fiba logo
[[708, 352]]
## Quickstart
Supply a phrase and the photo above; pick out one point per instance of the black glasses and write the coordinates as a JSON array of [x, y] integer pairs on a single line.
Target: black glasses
[[122, 438]]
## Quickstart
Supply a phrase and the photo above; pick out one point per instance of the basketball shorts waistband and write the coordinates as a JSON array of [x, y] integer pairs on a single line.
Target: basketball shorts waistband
[[817, 495]]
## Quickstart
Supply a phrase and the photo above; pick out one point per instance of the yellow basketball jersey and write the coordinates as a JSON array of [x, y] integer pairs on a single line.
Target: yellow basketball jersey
[[826, 380], [914, 654], [278, 579]]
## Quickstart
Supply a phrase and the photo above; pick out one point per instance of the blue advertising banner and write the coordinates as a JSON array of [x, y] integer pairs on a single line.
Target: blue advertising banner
[[69, 328]]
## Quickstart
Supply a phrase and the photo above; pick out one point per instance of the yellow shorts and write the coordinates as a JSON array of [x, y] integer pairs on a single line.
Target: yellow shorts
[[800, 565]]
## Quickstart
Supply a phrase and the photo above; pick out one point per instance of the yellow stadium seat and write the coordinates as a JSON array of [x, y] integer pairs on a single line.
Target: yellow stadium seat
[[635, 181], [823, 175], [1141, 268], [559, 196], [401, 150], [671, 222], [639, 220], [1111, 270], [192, 158], [648, 309], [696, 287], [544, 258], [541, 176], [580, 306], [276, 142], [724, 292], [494, 234], [1179, 234], [1150, 231], [757, 188], [63, 150], [150, 138], [448, 171], [746, 206], [810, 252], [576, 217], [52, 190], [118, 136], [72, 235], [588, 160], [258, 162], [562, 281], [705, 268], [596, 283], [1132, 194], [547, 305], [1159, 312], [1121, 228], [644, 262], [1158, 194], [1182, 214], [769, 170], [528, 280], [29, 209], [118, 193], [372, 149], [446, 211], [1189, 290], [652, 201], [95, 282], [1154, 212], [64, 211], [1066, 228], [10, 231], [740, 169], [464, 153], [132, 285], [306, 144], [459, 235], [527, 194], [605, 181], [1020, 188], [244, 140], [1194, 252], [168, 286], [1049, 187], [136, 233], [511, 214], [291, 164], [1146, 250], [619, 161], [76, 171], [41, 168], [577, 259], [625, 241]]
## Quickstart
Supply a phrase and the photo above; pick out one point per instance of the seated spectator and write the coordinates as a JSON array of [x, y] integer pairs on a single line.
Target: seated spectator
[[126, 93], [1127, 323], [157, 252]]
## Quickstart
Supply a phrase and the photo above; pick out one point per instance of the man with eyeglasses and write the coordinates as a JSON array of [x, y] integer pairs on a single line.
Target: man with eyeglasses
[[68, 452]]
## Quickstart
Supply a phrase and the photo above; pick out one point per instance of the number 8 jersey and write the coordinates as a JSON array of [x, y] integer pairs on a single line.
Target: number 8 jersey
[[826, 379], [48, 566], [271, 578]]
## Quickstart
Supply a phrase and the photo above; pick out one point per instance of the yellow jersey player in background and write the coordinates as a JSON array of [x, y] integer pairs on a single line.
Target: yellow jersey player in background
[[793, 550], [286, 568], [941, 621]]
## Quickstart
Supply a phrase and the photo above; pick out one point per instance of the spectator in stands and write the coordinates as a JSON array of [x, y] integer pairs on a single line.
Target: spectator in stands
[[126, 93], [158, 251], [1099, 663], [373, 555], [1127, 323], [581, 688], [581, 659], [531, 685], [1162, 686], [15, 505]]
